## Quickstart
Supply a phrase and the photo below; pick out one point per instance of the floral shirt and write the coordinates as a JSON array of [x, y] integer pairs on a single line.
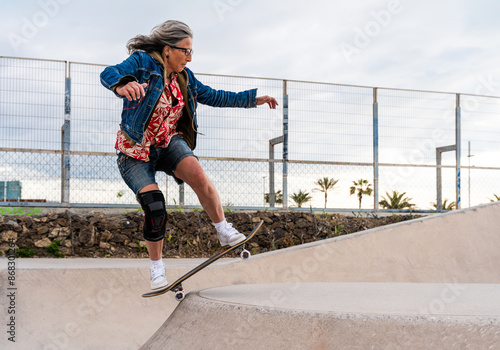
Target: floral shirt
[[162, 126]]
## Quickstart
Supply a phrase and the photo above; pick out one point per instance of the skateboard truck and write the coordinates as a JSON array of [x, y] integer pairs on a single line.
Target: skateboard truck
[[179, 292], [242, 252]]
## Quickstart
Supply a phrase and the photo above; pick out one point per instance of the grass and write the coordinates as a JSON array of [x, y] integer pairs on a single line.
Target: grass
[[25, 252], [54, 249]]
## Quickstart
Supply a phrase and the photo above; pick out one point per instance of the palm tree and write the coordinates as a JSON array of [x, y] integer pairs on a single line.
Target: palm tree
[[278, 197], [396, 201], [300, 198], [361, 187], [497, 198], [325, 184], [446, 205]]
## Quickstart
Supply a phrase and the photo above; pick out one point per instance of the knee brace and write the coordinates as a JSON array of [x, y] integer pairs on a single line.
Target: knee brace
[[155, 215]]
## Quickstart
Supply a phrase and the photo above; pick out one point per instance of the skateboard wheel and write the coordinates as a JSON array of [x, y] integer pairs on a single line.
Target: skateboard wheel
[[179, 295], [245, 254]]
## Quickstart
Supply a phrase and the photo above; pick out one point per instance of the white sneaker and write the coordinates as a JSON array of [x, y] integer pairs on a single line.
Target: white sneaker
[[158, 276], [228, 235]]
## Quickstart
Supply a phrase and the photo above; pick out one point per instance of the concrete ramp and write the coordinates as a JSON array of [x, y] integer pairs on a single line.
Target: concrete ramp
[[428, 283], [335, 316], [458, 247], [97, 304]]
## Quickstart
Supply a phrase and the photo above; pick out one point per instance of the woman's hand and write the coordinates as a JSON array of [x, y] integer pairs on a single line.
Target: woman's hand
[[132, 90], [271, 101]]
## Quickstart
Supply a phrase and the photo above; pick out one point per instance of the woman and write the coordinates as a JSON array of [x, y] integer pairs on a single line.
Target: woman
[[158, 130]]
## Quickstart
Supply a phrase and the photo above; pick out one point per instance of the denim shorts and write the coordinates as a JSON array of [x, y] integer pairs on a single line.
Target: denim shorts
[[137, 173]]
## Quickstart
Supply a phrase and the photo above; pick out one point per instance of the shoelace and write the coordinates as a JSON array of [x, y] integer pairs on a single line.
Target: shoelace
[[157, 271], [229, 231]]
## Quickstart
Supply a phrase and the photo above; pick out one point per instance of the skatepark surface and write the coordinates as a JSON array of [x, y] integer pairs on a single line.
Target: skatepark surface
[[427, 283], [329, 315]]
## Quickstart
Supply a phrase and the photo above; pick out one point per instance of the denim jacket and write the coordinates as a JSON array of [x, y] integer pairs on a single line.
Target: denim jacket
[[143, 68]]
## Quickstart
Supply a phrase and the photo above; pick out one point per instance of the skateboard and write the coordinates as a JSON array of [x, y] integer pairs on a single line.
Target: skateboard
[[176, 286]]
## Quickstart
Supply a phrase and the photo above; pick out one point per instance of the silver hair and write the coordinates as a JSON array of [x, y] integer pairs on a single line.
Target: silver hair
[[168, 33]]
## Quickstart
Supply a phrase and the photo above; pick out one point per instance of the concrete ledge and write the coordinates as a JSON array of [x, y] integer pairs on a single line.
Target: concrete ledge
[[84, 303], [335, 316]]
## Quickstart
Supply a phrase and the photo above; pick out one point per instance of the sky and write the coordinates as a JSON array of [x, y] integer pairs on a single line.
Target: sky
[[439, 45]]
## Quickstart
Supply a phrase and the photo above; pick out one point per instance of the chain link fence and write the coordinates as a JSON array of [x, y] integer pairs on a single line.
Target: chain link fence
[[58, 128]]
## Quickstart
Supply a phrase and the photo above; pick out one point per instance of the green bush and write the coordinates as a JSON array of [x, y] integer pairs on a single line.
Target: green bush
[[25, 252], [54, 249]]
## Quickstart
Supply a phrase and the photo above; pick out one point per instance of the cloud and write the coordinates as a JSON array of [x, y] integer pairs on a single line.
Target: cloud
[[419, 45]]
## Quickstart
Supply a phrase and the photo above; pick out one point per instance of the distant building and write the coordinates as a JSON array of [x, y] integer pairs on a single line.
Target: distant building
[[10, 190]]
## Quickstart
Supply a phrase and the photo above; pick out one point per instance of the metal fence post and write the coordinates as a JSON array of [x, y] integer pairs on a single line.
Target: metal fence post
[[439, 181], [375, 150], [271, 174], [181, 195], [458, 153], [272, 143], [285, 145], [66, 138]]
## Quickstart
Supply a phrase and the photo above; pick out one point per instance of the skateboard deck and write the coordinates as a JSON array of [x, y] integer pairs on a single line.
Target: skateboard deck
[[176, 286]]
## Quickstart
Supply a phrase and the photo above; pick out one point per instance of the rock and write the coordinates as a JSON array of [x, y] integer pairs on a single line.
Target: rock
[[301, 223], [128, 233], [9, 235], [119, 238], [14, 226], [255, 219], [87, 235], [78, 222], [299, 232], [60, 232], [310, 218], [52, 216], [110, 224], [104, 245], [279, 233], [275, 225], [196, 240], [128, 224], [28, 222], [6, 247], [206, 230], [95, 218], [192, 231], [241, 217], [42, 230], [182, 224], [62, 222], [43, 243], [267, 220], [106, 236], [26, 231], [64, 251]]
